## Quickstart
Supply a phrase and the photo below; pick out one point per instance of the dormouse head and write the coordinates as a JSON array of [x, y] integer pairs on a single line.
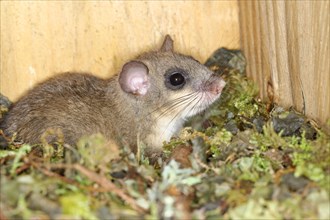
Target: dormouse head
[[166, 82]]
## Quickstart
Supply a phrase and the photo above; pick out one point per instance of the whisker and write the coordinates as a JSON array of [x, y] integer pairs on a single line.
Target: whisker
[[175, 106], [169, 105], [201, 97], [179, 112]]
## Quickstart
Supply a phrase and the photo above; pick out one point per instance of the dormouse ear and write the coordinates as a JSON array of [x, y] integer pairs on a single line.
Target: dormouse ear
[[167, 44], [134, 78]]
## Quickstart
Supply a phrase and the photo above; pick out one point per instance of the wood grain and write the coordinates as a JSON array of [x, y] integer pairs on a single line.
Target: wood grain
[[42, 38], [287, 44]]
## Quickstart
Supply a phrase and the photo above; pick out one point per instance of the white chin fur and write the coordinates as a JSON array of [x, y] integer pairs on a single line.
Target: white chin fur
[[169, 124]]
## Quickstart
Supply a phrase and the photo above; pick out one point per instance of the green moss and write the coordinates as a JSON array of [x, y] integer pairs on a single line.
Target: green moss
[[249, 161], [76, 205]]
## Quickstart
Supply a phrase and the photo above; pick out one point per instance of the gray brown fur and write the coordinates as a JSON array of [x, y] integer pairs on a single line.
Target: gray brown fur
[[81, 104]]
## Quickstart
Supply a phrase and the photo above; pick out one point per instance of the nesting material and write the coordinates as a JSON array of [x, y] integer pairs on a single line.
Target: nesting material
[[241, 159]]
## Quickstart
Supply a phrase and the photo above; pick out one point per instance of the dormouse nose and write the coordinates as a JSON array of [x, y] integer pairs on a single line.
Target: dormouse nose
[[215, 85]]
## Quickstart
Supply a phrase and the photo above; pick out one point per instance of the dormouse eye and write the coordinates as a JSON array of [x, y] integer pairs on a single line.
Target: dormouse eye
[[175, 79]]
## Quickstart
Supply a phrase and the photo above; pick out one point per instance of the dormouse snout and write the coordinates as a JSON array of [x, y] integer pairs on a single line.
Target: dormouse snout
[[214, 85]]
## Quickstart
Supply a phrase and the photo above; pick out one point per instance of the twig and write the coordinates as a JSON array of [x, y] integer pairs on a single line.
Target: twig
[[101, 180], [105, 183], [2, 216], [47, 172], [22, 168]]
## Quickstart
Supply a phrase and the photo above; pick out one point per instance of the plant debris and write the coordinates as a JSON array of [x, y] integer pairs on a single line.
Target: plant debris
[[241, 159]]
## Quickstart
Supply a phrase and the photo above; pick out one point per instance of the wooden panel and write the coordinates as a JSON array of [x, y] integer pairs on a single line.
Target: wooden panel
[[41, 38], [288, 54]]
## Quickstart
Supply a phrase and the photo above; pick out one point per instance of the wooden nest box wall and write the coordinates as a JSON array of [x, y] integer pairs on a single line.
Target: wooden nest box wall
[[287, 45], [286, 42]]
